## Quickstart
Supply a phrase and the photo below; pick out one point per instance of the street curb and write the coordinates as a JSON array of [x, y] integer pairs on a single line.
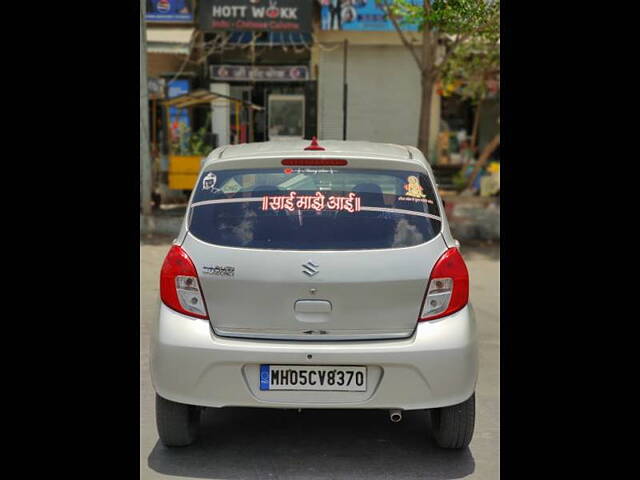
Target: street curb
[[473, 218], [163, 225]]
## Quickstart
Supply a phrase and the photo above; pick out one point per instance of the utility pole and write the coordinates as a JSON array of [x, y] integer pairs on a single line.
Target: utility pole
[[145, 158], [344, 89]]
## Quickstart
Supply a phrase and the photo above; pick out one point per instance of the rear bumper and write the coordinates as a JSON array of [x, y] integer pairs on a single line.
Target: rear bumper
[[436, 367]]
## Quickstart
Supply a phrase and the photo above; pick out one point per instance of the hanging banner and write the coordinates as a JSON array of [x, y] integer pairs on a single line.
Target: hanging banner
[[358, 15], [255, 15], [179, 123], [289, 73], [173, 11]]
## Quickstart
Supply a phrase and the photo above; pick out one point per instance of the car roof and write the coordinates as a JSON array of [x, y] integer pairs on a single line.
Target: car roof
[[296, 148]]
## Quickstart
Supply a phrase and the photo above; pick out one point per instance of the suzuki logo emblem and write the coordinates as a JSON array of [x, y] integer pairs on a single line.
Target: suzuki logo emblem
[[310, 268]]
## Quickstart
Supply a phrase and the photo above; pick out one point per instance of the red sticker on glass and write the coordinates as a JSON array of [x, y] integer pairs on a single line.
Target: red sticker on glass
[[288, 170], [317, 202]]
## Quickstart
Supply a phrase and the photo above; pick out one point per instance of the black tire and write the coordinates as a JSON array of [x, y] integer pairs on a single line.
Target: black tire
[[177, 423], [453, 426]]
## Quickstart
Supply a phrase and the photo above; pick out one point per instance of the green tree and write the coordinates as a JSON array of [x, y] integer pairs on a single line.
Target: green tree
[[451, 23], [474, 68]]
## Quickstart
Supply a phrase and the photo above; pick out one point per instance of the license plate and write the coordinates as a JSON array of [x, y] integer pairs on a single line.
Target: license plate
[[313, 378]]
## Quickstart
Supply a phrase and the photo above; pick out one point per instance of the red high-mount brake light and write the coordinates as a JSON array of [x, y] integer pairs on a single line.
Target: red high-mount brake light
[[314, 145], [314, 162], [448, 287], [179, 284]]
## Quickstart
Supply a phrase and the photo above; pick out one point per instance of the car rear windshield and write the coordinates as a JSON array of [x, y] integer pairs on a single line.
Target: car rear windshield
[[314, 209]]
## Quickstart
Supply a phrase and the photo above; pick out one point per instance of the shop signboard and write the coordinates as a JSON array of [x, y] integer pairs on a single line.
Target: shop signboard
[[262, 73], [177, 88], [173, 11], [255, 15], [358, 15]]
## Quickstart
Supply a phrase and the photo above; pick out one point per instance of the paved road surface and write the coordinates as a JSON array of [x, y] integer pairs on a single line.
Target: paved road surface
[[275, 444]]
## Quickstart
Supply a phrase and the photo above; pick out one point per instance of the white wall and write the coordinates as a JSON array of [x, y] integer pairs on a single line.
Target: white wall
[[384, 95]]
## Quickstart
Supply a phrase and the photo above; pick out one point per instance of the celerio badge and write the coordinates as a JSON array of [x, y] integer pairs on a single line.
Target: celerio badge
[[219, 271]]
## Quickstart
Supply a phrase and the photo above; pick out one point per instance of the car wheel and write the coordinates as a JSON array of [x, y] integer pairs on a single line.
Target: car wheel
[[177, 423], [453, 426]]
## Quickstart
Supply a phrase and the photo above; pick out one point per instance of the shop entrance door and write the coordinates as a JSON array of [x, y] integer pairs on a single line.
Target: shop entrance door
[[285, 117], [245, 133]]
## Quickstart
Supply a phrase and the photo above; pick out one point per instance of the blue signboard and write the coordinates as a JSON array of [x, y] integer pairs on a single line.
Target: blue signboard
[[177, 88], [358, 15], [180, 11]]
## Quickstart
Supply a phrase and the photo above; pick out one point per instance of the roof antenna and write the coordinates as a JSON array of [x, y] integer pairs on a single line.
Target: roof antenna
[[314, 145]]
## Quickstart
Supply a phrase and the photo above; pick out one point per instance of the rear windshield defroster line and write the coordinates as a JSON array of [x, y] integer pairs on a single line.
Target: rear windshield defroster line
[[362, 208]]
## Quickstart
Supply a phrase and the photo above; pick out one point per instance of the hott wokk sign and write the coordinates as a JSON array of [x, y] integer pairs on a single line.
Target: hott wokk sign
[[257, 15]]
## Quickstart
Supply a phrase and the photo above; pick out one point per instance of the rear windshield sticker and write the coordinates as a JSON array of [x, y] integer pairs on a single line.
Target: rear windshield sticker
[[293, 201], [209, 181], [413, 188], [313, 171], [231, 187], [412, 199]]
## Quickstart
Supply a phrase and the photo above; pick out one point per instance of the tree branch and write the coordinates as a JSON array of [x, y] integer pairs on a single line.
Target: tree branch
[[484, 156], [402, 36], [438, 68], [463, 37]]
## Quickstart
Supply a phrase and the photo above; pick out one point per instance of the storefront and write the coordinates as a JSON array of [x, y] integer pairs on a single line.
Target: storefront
[[456, 129], [460, 120], [286, 91], [170, 40], [260, 52], [468, 133]]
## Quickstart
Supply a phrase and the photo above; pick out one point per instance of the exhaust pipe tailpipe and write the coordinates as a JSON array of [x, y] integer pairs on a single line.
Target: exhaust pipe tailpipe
[[395, 415]]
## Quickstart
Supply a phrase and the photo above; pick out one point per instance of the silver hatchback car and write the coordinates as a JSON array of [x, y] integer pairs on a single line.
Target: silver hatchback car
[[315, 276]]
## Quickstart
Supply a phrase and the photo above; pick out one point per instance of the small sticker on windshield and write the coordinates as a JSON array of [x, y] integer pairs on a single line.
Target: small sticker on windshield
[[412, 199], [413, 187], [310, 171], [209, 181], [231, 187]]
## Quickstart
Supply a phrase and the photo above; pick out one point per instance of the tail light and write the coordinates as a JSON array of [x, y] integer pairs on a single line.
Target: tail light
[[179, 285], [448, 288]]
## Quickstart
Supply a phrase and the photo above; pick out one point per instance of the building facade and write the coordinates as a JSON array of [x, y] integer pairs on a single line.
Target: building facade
[[383, 88], [293, 58]]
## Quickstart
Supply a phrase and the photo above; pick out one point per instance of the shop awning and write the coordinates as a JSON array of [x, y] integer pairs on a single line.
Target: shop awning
[[201, 97], [272, 38], [169, 40]]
